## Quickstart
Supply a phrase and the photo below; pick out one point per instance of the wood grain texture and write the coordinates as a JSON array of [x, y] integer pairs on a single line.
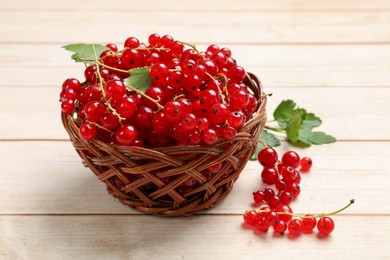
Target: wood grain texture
[[200, 237], [243, 27], [204, 5], [332, 57]]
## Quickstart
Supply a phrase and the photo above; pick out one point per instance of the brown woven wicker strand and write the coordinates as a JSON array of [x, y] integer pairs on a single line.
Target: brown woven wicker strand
[[142, 171]]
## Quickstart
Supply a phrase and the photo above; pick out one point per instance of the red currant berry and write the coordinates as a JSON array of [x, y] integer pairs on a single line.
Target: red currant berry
[[71, 83], [236, 119], [154, 39], [281, 209], [288, 173], [87, 131], [280, 226], [281, 185], [144, 118], [89, 73], [306, 164], [274, 202], [261, 224], [219, 113], [229, 132], [114, 89], [294, 189], [285, 197], [308, 223], [160, 123], [295, 227], [68, 106], [109, 120], [215, 168], [325, 226], [202, 123], [209, 136], [271, 217], [267, 157], [291, 158], [269, 176], [250, 217], [126, 107], [112, 47], [268, 194], [126, 134], [131, 42], [239, 99], [94, 110], [174, 111], [258, 196], [237, 74]]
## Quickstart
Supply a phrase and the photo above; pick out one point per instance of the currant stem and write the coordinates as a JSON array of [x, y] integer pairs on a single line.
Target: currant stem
[[99, 126], [319, 215], [264, 144], [102, 88], [160, 107], [193, 47]]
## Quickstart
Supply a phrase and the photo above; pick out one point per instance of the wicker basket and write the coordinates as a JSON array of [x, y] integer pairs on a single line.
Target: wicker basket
[[143, 172]]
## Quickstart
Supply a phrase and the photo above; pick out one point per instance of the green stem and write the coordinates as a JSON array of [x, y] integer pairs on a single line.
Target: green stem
[[276, 129], [315, 216], [102, 88]]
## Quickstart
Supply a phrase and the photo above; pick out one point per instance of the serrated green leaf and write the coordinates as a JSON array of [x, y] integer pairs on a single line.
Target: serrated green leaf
[[310, 120], [269, 139], [139, 79], [84, 52], [284, 112], [294, 124], [321, 138]]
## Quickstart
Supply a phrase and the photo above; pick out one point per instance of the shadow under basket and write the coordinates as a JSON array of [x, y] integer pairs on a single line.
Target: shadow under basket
[[153, 180]]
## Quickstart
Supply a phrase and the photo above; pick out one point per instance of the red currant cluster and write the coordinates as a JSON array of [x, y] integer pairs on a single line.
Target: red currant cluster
[[194, 98], [284, 175]]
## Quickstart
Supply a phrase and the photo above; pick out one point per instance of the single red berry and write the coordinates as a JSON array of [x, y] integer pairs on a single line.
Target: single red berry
[[213, 48], [126, 134], [281, 185], [258, 196], [131, 42], [288, 173], [112, 47], [268, 194], [126, 107], [239, 99], [174, 111], [202, 123], [250, 217], [291, 158], [219, 113], [68, 106], [215, 168], [280, 226], [237, 74], [94, 110], [274, 202], [271, 217], [143, 118], [209, 136], [159, 73], [306, 164], [71, 83], [285, 197], [229, 132], [267, 157], [87, 131], [236, 119], [294, 188], [154, 39], [295, 227], [269, 176], [109, 120], [325, 226], [308, 223], [261, 224]]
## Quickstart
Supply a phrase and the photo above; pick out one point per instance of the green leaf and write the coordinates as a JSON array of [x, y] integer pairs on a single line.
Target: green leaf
[[321, 138], [310, 120], [139, 79], [295, 124], [269, 139], [84, 52], [284, 112]]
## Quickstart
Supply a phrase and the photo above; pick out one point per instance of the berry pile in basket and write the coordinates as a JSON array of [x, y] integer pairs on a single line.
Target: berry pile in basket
[[164, 92], [277, 213]]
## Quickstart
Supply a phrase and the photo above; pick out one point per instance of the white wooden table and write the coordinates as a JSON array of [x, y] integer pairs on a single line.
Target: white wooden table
[[332, 57]]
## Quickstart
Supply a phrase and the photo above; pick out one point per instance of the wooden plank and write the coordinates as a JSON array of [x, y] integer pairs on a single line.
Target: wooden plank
[[201, 237], [51, 180], [204, 5], [346, 112], [21, 26]]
